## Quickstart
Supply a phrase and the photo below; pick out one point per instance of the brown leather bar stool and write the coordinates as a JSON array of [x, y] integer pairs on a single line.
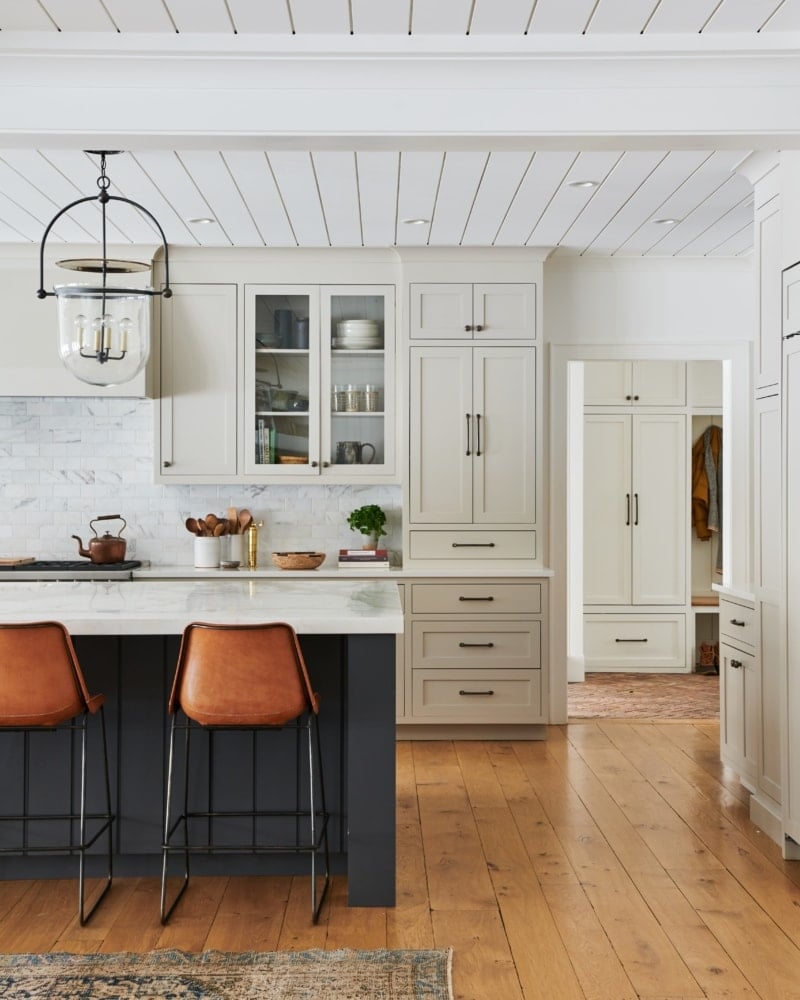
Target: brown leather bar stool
[[42, 689], [246, 677]]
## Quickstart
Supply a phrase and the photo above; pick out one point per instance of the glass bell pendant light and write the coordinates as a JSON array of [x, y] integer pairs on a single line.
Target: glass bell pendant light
[[104, 329]]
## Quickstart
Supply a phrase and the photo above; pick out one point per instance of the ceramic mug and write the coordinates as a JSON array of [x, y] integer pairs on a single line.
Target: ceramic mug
[[352, 452]]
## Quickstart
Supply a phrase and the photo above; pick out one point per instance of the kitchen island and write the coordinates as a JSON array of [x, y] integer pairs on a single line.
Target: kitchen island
[[127, 636]]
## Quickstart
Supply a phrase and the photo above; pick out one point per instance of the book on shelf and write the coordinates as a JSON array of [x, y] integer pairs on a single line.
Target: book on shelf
[[364, 567], [364, 555]]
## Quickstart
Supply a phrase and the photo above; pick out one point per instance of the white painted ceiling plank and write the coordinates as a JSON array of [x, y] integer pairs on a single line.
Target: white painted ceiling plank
[[626, 177], [560, 16], [786, 18], [145, 15], [136, 183], [254, 179], [371, 18], [338, 188], [568, 202], [538, 186], [645, 204], [89, 15], [320, 17], [493, 17], [298, 189], [699, 219], [260, 17], [741, 15], [24, 15], [739, 244], [38, 204], [39, 172], [720, 229], [377, 184], [169, 175], [419, 180], [214, 181], [461, 177], [627, 17], [440, 17], [503, 175], [680, 16], [22, 220], [10, 235], [200, 16]]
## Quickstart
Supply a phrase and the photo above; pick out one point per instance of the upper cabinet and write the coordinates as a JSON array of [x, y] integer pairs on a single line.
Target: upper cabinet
[[459, 311], [634, 383], [318, 381]]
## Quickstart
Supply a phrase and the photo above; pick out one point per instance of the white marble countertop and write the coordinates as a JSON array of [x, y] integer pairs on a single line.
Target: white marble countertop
[[332, 572], [167, 606]]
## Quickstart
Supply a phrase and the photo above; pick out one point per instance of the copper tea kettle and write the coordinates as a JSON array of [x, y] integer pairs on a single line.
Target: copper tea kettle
[[109, 548]]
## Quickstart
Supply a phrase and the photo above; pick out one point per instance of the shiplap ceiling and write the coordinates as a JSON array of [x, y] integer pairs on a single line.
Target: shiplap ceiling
[[361, 197]]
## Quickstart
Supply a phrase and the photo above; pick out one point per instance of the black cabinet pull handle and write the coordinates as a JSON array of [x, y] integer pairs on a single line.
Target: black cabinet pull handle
[[476, 598], [635, 397], [636, 509], [735, 621], [478, 435], [476, 645], [629, 397], [630, 640], [479, 328], [166, 464], [467, 693], [467, 328], [736, 664], [472, 545], [627, 510], [469, 452]]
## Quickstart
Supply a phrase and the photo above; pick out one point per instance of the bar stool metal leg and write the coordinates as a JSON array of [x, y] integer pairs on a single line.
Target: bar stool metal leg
[[83, 914]]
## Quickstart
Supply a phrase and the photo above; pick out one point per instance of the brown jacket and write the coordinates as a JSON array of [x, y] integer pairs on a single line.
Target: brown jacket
[[700, 487]]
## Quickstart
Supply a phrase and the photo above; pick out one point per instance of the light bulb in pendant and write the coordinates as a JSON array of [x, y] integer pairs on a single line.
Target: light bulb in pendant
[[80, 331], [125, 327]]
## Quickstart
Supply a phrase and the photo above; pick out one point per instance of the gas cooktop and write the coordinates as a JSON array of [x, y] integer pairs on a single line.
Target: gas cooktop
[[69, 569]]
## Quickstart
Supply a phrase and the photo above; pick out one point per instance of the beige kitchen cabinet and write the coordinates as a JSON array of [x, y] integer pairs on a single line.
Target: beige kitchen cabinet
[[791, 608], [475, 652], [634, 383], [767, 263], [636, 642], [739, 687], [197, 426], [319, 382], [635, 509], [472, 448], [478, 311]]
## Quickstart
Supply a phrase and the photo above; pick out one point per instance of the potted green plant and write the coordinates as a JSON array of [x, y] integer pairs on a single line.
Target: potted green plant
[[369, 520]]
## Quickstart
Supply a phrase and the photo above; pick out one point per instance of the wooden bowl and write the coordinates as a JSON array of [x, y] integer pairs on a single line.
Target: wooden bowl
[[298, 560]]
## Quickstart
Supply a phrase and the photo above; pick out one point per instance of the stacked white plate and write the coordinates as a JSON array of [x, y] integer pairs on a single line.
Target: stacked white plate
[[358, 335]]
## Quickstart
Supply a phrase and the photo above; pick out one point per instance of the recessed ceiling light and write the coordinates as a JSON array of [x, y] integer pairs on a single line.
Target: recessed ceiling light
[[583, 184], [666, 222], [203, 221], [416, 222]]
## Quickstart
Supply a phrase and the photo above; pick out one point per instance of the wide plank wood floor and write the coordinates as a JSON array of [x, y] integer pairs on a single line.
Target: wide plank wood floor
[[615, 861]]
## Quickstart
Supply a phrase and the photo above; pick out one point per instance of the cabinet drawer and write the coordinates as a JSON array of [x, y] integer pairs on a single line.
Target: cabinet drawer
[[739, 622], [452, 645], [472, 545], [626, 642], [478, 695], [476, 598]]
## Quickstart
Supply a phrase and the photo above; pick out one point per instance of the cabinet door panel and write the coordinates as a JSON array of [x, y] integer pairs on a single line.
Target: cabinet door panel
[[441, 435], [607, 509], [198, 381], [791, 463], [768, 249], [659, 509], [504, 311], [440, 311], [606, 383], [659, 383], [504, 463]]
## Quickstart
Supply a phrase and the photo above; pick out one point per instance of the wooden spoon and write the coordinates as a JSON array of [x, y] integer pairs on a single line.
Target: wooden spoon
[[201, 524], [245, 519], [220, 528], [211, 521], [192, 525], [233, 521]]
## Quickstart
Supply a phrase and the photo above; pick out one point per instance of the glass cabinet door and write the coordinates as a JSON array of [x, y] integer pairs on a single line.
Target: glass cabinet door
[[281, 380], [357, 380]]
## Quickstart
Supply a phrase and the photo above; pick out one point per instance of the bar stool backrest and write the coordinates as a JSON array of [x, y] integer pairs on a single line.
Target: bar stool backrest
[[41, 683], [242, 675]]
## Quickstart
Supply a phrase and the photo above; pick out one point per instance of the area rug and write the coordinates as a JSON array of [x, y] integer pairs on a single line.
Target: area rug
[[644, 696], [270, 975]]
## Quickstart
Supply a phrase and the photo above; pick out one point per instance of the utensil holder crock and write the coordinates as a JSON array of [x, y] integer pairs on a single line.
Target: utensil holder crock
[[206, 552]]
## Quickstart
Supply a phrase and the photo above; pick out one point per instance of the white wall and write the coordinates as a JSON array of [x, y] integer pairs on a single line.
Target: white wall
[[639, 308]]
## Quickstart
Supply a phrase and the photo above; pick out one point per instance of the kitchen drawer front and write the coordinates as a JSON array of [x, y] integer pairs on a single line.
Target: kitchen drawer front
[[452, 645], [475, 696], [476, 598], [739, 622], [626, 642], [472, 545]]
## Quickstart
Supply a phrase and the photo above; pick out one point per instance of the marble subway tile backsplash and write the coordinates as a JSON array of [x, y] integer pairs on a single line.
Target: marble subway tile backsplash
[[63, 461]]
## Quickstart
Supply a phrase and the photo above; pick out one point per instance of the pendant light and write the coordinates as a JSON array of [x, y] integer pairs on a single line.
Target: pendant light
[[104, 330]]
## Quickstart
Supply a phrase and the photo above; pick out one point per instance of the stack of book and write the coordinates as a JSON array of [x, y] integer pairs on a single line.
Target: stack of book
[[364, 559]]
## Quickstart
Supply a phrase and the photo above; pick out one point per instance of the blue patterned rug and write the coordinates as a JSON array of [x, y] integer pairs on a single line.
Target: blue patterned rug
[[270, 975]]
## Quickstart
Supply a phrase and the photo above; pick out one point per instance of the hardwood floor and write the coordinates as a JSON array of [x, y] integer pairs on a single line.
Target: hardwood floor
[[615, 861]]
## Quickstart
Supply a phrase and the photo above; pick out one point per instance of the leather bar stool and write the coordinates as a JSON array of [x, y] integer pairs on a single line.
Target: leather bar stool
[[254, 678], [42, 689]]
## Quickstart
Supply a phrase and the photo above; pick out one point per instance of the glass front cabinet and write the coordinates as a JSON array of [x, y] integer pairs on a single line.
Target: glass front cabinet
[[320, 381]]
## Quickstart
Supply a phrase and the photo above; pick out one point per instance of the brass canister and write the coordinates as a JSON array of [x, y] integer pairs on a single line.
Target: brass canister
[[252, 546]]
